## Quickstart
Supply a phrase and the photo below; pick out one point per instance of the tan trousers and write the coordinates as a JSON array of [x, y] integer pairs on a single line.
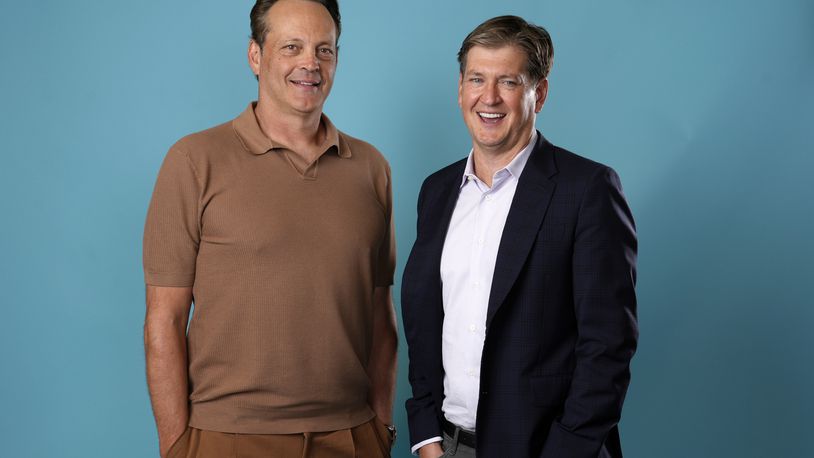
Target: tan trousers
[[368, 440]]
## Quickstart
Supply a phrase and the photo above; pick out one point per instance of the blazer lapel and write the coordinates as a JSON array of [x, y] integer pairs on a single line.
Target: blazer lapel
[[529, 205], [441, 205], [448, 197]]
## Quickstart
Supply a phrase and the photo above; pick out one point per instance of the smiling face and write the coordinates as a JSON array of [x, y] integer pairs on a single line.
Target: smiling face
[[498, 103], [296, 66]]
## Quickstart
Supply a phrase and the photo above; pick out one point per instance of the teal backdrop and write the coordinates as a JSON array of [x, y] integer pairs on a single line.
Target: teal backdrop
[[703, 107]]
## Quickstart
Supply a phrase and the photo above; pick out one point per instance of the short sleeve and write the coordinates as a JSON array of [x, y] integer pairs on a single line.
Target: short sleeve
[[387, 250], [172, 229]]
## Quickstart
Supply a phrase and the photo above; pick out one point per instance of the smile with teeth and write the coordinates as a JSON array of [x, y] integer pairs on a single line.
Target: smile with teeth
[[491, 116], [306, 83]]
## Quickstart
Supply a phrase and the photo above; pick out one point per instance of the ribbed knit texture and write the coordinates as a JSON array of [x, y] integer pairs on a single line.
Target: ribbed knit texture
[[283, 258]]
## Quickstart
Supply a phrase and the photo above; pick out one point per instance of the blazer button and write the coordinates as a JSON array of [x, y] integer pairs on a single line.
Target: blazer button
[[484, 393]]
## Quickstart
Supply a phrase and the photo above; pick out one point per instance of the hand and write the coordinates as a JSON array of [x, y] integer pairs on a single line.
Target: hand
[[165, 442], [433, 450]]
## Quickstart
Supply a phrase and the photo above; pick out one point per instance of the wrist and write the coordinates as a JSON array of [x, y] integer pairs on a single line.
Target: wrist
[[391, 430], [431, 450]]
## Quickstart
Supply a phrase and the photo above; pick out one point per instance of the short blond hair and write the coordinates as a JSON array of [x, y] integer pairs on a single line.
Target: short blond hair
[[513, 31]]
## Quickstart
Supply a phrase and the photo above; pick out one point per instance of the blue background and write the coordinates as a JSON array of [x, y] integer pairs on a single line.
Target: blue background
[[704, 108]]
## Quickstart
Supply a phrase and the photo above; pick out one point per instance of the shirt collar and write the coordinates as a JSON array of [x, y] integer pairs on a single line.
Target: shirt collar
[[255, 141], [514, 168]]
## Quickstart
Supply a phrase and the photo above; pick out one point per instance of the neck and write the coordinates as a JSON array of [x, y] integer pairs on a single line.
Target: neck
[[488, 161], [293, 130]]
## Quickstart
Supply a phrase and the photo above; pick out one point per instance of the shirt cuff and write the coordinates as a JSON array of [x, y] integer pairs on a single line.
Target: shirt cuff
[[423, 443]]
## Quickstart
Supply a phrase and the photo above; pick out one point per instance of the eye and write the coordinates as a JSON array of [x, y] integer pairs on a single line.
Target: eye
[[475, 80], [327, 52], [510, 83], [290, 47]]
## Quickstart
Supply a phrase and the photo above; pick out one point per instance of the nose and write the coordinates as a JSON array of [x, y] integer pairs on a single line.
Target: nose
[[310, 61], [490, 94]]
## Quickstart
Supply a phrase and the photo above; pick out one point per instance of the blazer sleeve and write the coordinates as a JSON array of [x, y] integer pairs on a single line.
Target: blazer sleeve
[[604, 277], [419, 329]]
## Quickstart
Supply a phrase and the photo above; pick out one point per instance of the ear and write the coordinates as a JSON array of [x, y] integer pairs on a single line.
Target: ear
[[255, 56], [460, 89], [541, 91]]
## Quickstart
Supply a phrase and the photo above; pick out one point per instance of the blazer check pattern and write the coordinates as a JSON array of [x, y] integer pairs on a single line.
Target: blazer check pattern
[[561, 324]]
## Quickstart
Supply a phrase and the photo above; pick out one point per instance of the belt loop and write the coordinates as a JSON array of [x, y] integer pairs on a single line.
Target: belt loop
[[306, 444], [454, 446]]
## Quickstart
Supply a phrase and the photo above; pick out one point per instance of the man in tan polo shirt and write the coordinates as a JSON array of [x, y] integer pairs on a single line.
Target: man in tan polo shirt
[[278, 227]]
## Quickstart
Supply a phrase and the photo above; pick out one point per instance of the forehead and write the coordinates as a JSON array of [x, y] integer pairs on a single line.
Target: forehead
[[507, 59], [288, 17]]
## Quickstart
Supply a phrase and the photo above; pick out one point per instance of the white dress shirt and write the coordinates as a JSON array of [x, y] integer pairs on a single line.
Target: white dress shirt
[[467, 267]]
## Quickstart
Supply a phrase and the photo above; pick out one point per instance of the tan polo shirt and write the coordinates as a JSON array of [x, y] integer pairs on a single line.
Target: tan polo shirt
[[283, 258]]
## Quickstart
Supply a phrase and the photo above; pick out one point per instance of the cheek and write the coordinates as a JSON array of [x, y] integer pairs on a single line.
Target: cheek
[[468, 99], [277, 62], [520, 106]]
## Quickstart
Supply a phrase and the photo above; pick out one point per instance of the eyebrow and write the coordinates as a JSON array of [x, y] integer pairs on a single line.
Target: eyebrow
[[500, 77], [300, 40]]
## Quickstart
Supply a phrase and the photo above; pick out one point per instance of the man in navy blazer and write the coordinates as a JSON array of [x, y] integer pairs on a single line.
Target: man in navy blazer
[[518, 297]]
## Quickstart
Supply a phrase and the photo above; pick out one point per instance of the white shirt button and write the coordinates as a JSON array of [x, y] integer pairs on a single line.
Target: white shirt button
[[467, 272]]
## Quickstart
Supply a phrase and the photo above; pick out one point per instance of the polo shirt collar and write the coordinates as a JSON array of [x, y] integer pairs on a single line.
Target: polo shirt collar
[[255, 141]]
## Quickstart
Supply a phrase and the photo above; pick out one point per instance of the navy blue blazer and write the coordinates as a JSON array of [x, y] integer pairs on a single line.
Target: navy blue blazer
[[561, 322]]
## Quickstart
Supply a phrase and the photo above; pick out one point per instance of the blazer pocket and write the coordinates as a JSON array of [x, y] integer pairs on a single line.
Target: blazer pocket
[[550, 390]]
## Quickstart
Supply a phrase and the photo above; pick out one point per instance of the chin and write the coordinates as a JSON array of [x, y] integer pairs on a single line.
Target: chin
[[490, 141], [307, 107]]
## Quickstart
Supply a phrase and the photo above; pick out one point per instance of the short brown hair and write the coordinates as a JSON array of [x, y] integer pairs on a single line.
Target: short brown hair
[[258, 18], [513, 31]]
